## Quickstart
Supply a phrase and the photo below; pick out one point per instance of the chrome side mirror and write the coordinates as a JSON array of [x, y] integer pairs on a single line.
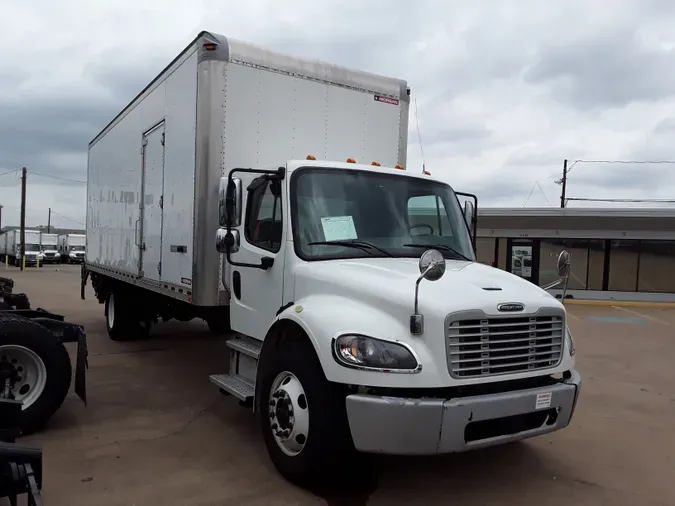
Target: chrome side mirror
[[432, 268], [225, 241], [229, 202]]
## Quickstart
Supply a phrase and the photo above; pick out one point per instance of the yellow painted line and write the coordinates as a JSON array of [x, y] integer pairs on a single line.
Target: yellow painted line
[[618, 303]]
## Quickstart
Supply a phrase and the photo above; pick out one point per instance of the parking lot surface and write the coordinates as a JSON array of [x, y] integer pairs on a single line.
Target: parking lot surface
[[155, 432]]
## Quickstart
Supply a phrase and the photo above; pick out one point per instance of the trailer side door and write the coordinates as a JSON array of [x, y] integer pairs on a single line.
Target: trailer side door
[[149, 238]]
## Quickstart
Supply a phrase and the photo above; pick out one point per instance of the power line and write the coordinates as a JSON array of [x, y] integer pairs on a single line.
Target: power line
[[530, 194], [9, 172], [32, 173], [46, 211], [544, 194]]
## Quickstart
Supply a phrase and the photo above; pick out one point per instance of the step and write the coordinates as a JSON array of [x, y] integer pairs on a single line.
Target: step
[[245, 345], [234, 385]]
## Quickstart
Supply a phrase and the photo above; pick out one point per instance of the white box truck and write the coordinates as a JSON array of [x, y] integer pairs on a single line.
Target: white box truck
[[355, 329], [12, 246], [72, 248], [49, 245]]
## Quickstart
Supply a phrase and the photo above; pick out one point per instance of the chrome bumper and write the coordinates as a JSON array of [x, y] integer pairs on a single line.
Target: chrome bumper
[[403, 426]]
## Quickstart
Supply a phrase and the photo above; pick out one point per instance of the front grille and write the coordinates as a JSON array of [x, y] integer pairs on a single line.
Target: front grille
[[481, 345]]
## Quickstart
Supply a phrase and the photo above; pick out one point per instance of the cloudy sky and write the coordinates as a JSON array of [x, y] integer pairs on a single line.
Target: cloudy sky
[[505, 89]]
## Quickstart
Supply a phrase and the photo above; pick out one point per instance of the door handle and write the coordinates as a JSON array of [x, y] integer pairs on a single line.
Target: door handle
[[136, 238]]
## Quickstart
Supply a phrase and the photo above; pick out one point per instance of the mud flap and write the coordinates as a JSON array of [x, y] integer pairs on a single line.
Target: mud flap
[[81, 366]]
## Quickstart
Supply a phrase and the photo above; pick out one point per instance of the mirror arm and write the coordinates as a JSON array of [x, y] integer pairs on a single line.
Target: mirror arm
[[265, 262]]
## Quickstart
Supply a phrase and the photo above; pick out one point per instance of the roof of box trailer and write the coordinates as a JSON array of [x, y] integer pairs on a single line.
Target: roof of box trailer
[[237, 51]]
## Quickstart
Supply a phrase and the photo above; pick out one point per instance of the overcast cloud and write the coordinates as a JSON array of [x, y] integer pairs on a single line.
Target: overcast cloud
[[505, 89]]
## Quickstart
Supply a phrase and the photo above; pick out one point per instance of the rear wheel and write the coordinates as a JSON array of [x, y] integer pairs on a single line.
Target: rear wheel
[[121, 320], [35, 369], [303, 418]]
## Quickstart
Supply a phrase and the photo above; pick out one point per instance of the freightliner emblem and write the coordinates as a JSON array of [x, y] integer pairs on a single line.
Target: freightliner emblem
[[511, 307]]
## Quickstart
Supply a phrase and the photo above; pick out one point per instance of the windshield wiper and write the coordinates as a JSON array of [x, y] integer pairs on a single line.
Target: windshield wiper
[[352, 243], [441, 247]]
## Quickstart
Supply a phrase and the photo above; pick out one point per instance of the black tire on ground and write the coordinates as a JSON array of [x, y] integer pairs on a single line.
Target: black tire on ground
[[19, 331], [121, 322], [219, 323], [328, 447]]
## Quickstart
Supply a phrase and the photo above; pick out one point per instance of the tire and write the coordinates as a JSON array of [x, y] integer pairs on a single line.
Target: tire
[[121, 322], [219, 324], [328, 446], [28, 346]]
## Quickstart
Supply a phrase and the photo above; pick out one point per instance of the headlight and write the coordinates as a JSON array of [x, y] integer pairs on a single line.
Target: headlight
[[569, 342], [363, 352]]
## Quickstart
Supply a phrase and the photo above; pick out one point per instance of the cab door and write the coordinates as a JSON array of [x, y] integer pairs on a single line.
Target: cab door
[[256, 275]]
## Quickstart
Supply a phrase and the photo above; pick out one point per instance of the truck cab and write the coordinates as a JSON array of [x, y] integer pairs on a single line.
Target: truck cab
[[363, 324]]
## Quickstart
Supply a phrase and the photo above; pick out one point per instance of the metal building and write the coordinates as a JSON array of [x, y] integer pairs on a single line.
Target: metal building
[[621, 254]]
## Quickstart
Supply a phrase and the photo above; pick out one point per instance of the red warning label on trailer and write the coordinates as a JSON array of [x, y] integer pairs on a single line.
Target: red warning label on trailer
[[386, 100]]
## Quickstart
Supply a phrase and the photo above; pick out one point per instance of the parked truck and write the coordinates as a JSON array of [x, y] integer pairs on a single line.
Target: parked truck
[[72, 248], [354, 327], [49, 245], [11, 247]]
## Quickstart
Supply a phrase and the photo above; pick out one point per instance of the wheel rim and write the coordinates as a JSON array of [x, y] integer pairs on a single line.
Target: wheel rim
[[24, 372], [289, 413], [111, 310]]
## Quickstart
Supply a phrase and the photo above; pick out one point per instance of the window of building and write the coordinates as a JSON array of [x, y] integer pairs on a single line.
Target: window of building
[[623, 266], [263, 216], [596, 264], [656, 271], [485, 253]]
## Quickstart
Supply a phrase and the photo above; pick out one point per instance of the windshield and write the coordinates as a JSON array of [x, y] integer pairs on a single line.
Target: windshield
[[377, 214], [32, 247], [77, 248]]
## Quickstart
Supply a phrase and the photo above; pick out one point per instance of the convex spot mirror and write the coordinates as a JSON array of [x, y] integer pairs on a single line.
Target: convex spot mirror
[[432, 265], [563, 263], [229, 202]]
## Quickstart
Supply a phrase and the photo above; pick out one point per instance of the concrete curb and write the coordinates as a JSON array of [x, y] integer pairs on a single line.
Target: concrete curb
[[619, 303]]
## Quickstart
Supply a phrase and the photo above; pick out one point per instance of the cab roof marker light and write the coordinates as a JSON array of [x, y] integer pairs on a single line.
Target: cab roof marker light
[[351, 160], [400, 167], [376, 164], [426, 172], [311, 157]]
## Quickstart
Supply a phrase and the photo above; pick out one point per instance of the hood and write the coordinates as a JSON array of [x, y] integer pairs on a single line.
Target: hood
[[387, 282]]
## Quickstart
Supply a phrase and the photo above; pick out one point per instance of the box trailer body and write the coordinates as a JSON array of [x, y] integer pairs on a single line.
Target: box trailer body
[[49, 244], [154, 171], [72, 247]]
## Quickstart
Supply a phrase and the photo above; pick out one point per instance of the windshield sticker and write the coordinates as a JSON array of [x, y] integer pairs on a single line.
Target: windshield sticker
[[338, 228]]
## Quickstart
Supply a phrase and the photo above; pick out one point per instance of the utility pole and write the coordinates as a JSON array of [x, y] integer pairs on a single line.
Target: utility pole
[[49, 221], [564, 185], [0, 217], [23, 217]]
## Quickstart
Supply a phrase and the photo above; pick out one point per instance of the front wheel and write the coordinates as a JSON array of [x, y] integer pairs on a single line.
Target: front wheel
[[303, 417]]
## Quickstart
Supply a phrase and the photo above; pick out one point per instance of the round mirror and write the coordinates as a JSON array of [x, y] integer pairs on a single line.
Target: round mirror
[[563, 262], [432, 264]]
